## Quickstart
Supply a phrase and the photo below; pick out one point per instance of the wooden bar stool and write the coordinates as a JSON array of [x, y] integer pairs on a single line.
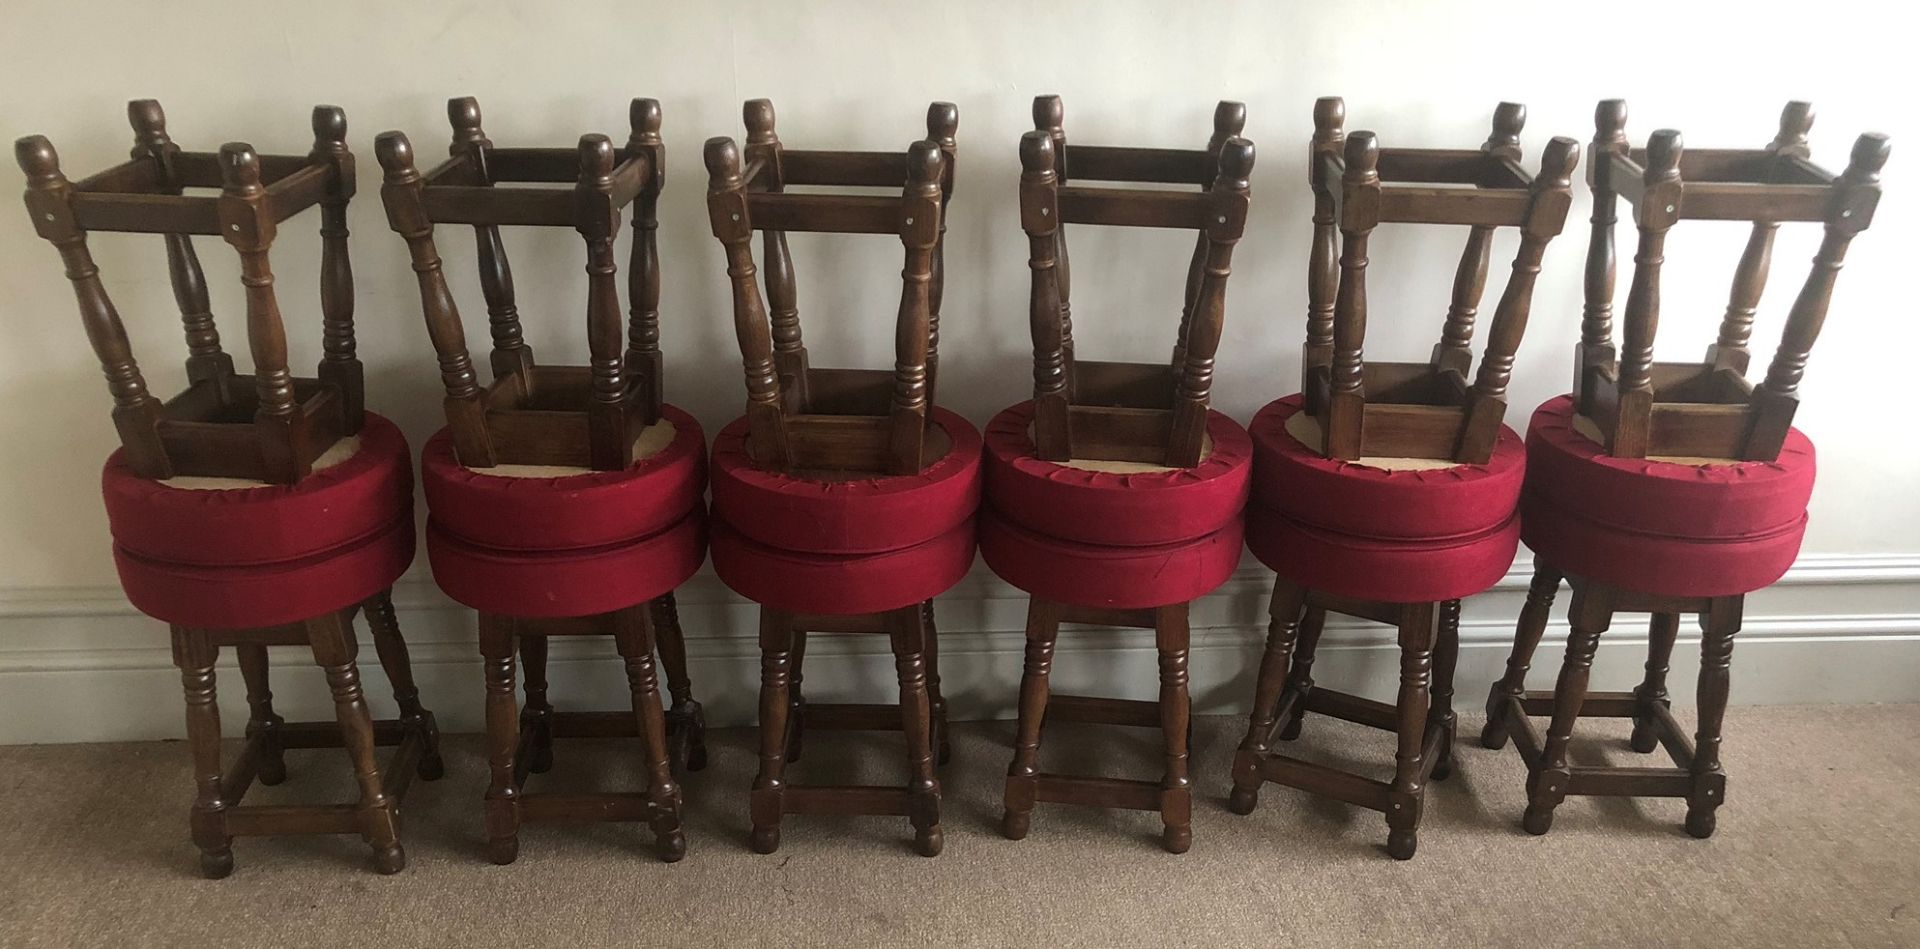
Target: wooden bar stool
[[251, 511], [1670, 488], [1389, 491], [844, 498], [565, 500], [1114, 495]]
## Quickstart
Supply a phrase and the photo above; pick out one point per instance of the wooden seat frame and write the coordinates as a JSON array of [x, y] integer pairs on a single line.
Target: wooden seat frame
[[270, 431], [580, 416], [838, 423], [1398, 410], [1645, 408], [1142, 412]]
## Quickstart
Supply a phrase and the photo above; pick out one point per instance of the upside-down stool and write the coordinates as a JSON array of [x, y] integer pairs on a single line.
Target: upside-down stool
[[564, 500], [844, 498], [1670, 488], [1389, 491], [251, 511]]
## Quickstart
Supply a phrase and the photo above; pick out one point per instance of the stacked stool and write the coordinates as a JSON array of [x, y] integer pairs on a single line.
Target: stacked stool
[[844, 498], [251, 511], [565, 500], [1388, 491], [1114, 495], [1670, 488]]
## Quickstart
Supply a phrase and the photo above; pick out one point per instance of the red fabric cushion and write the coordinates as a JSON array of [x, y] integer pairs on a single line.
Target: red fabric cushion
[[584, 581], [1115, 509], [1658, 564], [330, 508], [841, 584], [1572, 471], [1100, 575], [267, 594], [1396, 571], [1291, 479], [847, 517], [586, 510]]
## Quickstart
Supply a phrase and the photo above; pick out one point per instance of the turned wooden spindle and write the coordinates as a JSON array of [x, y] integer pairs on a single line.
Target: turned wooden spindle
[[611, 443], [1040, 218], [727, 210], [1655, 214], [1729, 351], [943, 123], [205, 359], [246, 221], [510, 353], [1455, 349], [783, 300], [1323, 267], [1595, 350], [1049, 115], [644, 362], [1229, 118], [919, 233], [1194, 383], [340, 361], [1359, 214]]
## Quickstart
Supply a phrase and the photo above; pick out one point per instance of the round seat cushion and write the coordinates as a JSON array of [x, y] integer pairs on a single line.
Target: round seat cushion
[[573, 511], [855, 516], [1298, 482], [335, 507], [841, 584], [1371, 568], [1134, 577], [1658, 564], [582, 581], [1111, 508], [1738, 500]]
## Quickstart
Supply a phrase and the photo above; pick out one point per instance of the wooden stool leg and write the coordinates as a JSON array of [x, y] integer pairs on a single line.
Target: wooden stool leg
[[796, 703], [391, 647], [1043, 627], [335, 649], [1172, 638], [1283, 629], [776, 645], [1300, 679], [1662, 630], [1404, 801], [916, 719], [1716, 656], [943, 746], [263, 726], [1533, 623], [1589, 615], [196, 655], [686, 711], [536, 714], [503, 739], [634, 638], [1446, 656]]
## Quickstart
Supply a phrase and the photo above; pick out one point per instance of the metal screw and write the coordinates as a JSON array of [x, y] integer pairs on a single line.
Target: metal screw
[[1669, 209], [49, 215], [909, 222], [1044, 212], [1847, 213], [736, 217], [1222, 219], [1396, 807], [233, 227]]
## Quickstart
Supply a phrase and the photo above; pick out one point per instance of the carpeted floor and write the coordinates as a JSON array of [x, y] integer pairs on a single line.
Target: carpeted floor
[[1818, 846]]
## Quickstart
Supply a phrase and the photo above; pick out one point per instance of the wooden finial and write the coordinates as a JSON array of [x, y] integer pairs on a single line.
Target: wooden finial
[[1229, 119], [758, 116], [1329, 118], [1610, 122], [1870, 154], [1509, 118], [149, 123], [1796, 120], [943, 121], [38, 159], [1363, 158], [1558, 161], [463, 113], [395, 154], [1048, 114], [329, 129], [722, 157], [1663, 156], [596, 160], [240, 169], [1236, 164], [924, 164], [643, 119], [1036, 152]]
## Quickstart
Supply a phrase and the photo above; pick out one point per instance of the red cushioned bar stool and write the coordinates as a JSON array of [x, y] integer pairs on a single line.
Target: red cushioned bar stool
[[1114, 496], [251, 511], [1389, 491], [1670, 488], [565, 500], [844, 499]]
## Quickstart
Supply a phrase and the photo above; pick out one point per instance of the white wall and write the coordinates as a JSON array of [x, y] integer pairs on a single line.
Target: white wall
[[845, 75]]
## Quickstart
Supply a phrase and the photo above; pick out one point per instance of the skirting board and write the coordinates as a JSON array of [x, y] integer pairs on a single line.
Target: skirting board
[[81, 665]]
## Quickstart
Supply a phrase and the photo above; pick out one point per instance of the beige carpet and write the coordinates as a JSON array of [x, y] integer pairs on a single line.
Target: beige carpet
[[1819, 845]]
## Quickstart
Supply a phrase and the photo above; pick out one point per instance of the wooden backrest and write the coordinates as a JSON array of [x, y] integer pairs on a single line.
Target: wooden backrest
[[623, 388], [1156, 412], [274, 429], [808, 419], [1421, 410], [1710, 409]]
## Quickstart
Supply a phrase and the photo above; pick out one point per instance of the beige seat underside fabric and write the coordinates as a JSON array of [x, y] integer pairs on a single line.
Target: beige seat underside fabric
[[336, 453], [1306, 430], [1587, 428], [653, 440], [1127, 467]]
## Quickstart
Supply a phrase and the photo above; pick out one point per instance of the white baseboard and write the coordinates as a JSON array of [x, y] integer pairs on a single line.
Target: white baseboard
[[79, 664]]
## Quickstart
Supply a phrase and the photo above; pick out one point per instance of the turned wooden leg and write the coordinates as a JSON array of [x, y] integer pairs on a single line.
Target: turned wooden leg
[[633, 636], [796, 703], [1446, 656], [691, 718], [1716, 658], [1407, 798], [1282, 630], [1300, 678], [335, 649], [1526, 638], [1043, 627], [263, 726], [536, 713], [1662, 630], [1589, 615], [503, 739], [391, 647], [195, 654], [916, 720], [776, 645], [1171, 638], [942, 745]]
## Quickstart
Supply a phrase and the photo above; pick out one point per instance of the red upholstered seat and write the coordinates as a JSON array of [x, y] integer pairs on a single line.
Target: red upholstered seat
[[1395, 570], [1094, 507], [1659, 564], [1331, 495], [841, 584], [1749, 499], [1133, 577], [866, 515], [574, 511], [583, 581]]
